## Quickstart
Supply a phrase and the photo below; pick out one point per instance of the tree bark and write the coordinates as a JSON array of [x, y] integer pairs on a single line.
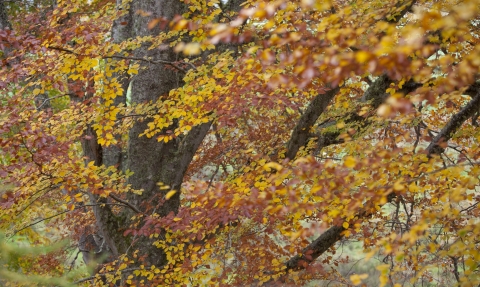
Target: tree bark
[[150, 161]]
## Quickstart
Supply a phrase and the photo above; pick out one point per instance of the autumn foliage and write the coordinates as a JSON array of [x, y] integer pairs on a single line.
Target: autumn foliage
[[275, 143]]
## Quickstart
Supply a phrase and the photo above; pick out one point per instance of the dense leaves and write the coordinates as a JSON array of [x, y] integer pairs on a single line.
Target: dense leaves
[[235, 143]]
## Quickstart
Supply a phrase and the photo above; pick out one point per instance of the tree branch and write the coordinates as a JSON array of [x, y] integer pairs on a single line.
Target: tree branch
[[38, 221], [334, 233], [301, 132], [315, 249], [131, 206], [94, 276], [130, 58], [453, 125]]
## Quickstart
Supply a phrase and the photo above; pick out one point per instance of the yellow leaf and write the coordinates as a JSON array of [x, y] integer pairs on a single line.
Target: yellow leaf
[[349, 162], [333, 213], [345, 225], [383, 268], [272, 165], [170, 194], [398, 186], [362, 56], [180, 25], [357, 278], [192, 49], [177, 219]]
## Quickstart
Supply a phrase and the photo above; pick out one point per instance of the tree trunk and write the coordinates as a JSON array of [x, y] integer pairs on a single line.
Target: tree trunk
[[150, 161]]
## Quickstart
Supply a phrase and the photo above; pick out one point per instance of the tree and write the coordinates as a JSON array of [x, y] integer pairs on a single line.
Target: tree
[[235, 143]]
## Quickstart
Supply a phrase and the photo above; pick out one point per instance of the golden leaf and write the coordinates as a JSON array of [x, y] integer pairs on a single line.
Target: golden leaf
[[350, 162], [170, 194]]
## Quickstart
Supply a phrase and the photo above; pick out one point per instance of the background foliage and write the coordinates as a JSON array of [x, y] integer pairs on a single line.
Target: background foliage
[[234, 143]]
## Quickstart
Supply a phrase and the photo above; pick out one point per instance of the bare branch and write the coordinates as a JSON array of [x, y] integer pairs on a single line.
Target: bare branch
[[173, 64], [131, 206], [38, 221]]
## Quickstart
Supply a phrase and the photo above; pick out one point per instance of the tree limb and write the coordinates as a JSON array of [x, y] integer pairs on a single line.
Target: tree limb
[[129, 58], [334, 233], [132, 207], [301, 132], [453, 125]]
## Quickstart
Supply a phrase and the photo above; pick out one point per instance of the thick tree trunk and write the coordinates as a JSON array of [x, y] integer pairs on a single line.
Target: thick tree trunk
[[150, 161]]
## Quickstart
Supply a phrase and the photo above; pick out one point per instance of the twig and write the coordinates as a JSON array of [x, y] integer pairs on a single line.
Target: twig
[[213, 176], [50, 217], [73, 261], [132, 207], [470, 207], [49, 99], [130, 58], [38, 221], [94, 276]]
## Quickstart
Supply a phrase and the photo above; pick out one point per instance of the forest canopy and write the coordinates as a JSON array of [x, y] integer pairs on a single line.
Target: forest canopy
[[239, 143]]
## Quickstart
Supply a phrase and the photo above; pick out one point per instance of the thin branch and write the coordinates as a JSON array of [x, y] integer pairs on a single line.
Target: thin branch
[[130, 58], [74, 260], [40, 220], [213, 176], [55, 97], [470, 207], [455, 268], [460, 151], [94, 276], [132, 207], [60, 213], [153, 61]]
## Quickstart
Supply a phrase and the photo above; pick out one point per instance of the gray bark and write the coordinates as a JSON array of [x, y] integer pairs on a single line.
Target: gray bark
[[121, 31], [315, 249], [376, 92], [150, 161], [107, 224], [301, 132], [4, 22]]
